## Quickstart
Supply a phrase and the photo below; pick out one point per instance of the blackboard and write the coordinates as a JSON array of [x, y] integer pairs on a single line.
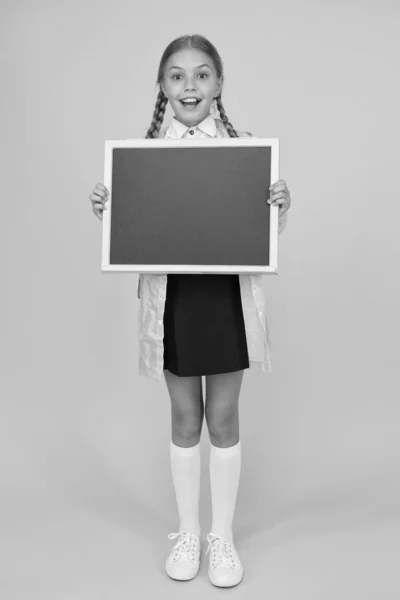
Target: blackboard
[[190, 206]]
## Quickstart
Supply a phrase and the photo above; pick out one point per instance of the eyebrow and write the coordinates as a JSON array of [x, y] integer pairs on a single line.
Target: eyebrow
[[204, 65]]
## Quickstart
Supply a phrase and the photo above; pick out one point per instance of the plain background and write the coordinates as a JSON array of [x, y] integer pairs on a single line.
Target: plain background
[[87, 498]]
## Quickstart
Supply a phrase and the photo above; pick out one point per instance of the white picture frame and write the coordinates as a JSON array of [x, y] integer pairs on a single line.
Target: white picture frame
[[153, 168]]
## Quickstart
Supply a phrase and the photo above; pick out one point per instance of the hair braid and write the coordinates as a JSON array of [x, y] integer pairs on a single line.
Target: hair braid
[[225, 120], [158, 115]]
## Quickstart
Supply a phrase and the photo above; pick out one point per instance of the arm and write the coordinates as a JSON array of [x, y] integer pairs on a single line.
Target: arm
[[282, 223]]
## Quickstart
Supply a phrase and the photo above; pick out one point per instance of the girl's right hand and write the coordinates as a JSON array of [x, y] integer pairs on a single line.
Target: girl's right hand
[[99, 199]]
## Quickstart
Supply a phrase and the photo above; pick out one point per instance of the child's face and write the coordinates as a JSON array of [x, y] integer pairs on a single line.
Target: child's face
[[190, 81]]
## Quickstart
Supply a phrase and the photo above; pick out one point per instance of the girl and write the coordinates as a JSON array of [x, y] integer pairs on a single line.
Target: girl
[[195, 325]]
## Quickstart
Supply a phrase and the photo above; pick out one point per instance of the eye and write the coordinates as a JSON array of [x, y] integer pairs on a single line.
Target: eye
[[178, 74]]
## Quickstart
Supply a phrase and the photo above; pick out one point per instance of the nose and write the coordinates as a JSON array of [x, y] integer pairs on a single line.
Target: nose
[[189, 85]]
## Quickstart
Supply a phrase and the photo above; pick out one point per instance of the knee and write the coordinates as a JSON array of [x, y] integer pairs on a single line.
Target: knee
[[222, 426], [187, 429]]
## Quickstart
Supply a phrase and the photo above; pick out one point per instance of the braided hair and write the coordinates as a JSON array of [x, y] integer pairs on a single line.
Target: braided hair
[[198, 42]]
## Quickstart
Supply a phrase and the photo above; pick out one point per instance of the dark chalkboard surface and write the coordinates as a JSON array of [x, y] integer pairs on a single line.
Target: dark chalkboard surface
[[190, 206]]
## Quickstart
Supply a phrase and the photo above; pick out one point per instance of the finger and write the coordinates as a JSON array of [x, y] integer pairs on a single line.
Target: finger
[[98, 214], [97, 198], [276, 196], [279, 187], [99, 191]]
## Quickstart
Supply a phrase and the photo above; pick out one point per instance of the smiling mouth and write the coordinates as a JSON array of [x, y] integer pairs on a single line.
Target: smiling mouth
[[190, 104]]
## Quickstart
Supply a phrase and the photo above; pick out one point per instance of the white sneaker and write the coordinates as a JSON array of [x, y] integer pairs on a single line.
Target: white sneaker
[[225, 568], [183, 562]]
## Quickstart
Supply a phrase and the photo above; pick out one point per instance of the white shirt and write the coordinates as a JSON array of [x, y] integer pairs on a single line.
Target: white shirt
[[207, 128]]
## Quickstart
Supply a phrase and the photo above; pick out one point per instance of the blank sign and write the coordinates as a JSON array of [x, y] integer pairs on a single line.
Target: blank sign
[[190, 206]]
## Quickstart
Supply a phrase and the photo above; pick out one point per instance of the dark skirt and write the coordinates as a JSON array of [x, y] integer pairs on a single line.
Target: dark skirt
[[204, 330]]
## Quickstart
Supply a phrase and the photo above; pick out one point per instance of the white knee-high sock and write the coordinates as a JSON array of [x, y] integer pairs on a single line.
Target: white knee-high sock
[[185, 467], [225, 464]]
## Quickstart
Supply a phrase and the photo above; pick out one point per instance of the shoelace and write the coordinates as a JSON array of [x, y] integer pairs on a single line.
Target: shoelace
[[221, 551], [185, 548]]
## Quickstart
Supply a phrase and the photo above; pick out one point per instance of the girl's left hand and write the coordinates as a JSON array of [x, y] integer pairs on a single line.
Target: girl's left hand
[[280, 196]]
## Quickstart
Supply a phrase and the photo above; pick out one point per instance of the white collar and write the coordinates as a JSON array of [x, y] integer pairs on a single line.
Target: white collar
[[178, 129]]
